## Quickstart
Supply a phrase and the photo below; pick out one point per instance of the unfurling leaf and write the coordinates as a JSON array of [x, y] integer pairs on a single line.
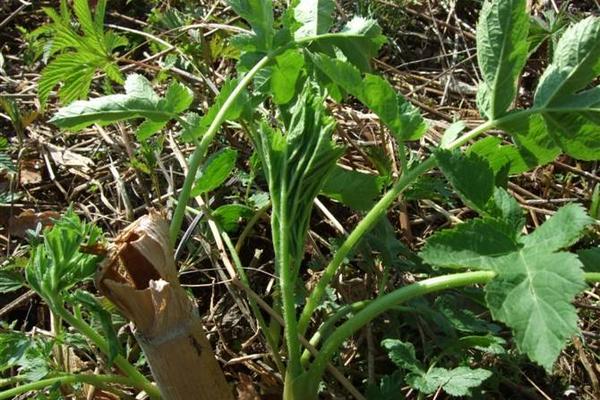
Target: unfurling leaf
[[297, 165]]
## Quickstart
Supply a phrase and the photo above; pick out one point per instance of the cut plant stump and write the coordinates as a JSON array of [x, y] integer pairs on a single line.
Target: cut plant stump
[[140, 278]]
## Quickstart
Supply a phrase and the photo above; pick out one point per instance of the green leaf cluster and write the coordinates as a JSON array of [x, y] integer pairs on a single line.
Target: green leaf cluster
[[58, 263], [536, 279], [80, 56], [565, 112], [457, 381]]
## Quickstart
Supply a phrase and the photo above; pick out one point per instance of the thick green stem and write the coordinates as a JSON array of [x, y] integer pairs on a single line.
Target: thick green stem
[[96, 380], [202, 147], [592, 277], [384, 303], [365, 225], [140, 381], [369, 221]]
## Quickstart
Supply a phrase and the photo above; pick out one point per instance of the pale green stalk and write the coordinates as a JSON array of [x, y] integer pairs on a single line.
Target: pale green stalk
[[202, 147], [132, 372], [95, 380]]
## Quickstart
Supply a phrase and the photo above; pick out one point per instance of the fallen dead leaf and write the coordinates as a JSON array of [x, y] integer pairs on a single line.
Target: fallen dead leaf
[[68, 159], [18, 225], [30, 172]]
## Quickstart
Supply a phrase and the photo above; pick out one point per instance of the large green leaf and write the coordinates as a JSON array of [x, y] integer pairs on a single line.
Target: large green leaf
[[139, 101], [535, 282], [469, 174], [502, 52], [359, 41], [532, 294], [354, 189], [565, 115], [316, 17], [401, 117]]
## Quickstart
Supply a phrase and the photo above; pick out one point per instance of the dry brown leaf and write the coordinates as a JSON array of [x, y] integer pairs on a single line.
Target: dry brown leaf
[[68, 159], [18, 225], [30, 172]]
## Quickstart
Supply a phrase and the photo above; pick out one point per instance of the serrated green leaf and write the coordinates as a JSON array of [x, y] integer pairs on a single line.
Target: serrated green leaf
[[229, 216], [178, 98], [500, 156], [81, 55], [401, 117], [562, 230], [456, 382], [504, 207], [284, 76], [352, 188], [315, 17], [534, 286], [139, 101], [473, 244], [259, 14], [402, 354], [502, 50], [532, 294], [215, 171], [571, 118], [536, 146], [469, 174]]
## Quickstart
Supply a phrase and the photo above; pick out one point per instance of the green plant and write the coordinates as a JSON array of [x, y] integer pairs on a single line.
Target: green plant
[[56, 265], [77, 56], [296, 62]]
